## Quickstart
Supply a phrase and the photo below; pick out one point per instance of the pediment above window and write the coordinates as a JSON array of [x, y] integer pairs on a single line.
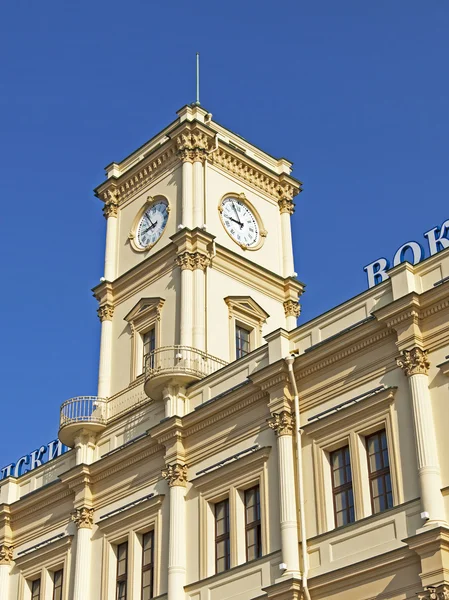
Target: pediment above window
[[145, 312], [247, 308]]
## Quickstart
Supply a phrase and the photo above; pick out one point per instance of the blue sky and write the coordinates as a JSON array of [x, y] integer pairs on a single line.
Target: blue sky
[[354, 93]]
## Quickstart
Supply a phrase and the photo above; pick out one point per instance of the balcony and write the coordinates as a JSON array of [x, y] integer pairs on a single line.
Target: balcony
[[180, 364], [82, 412]]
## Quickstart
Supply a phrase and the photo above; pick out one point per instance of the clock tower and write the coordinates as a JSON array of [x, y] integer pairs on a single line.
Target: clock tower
[[199, 259]]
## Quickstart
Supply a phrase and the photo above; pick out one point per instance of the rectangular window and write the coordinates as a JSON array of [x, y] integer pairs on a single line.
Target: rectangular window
[[36, 589], [379, 472], [222, 545], [149, 345], [147, 565], [122, 570], [252, 524], [242, 336], [57, 584], [342, 486]]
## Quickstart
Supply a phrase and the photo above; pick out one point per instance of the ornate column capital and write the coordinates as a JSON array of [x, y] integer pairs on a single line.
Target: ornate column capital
[[282, 423], [110, 208], [286, 206], [6, 554], [184, 260], [200, 261], [106, 312], [414, 362], [192, 260], [175, 474], [440, 592], [83, 517], [292, 308]]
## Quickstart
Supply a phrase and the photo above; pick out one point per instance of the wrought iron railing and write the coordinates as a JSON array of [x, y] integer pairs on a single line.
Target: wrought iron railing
[[183, 360], [83, 409]]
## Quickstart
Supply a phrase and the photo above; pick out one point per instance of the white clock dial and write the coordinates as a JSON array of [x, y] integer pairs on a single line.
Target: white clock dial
[[240, 222], [152, 224]]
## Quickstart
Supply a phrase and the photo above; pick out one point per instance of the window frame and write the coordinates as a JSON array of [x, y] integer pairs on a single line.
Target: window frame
[[246, 313], [342, 488], [122, 577], [224, 537], [256, 524], [238, 348], [130, 525], [350, 426], [145, 315], [61, 587], [150, 565], [380, 473], [42, 563], [230, 481]]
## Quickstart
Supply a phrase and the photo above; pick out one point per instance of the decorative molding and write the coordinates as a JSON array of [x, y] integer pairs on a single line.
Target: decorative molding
[[239, 167], [292, 308], [83, 517], [106, 312], [440, 592], [142, 177], [175, 474], [282, 423], [6, 553], [336, 356], [414, 362]]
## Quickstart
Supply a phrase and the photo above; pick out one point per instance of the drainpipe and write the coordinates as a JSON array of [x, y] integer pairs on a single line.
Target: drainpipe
[[302, 522]]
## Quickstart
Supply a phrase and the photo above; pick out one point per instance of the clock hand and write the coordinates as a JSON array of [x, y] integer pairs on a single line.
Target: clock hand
[[238, 222], [237, 214]]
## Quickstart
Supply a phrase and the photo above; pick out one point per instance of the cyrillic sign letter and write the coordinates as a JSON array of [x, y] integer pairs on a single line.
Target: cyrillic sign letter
[[417, 251], [376, 271], [18, 471], [36, 457], [437, 238]]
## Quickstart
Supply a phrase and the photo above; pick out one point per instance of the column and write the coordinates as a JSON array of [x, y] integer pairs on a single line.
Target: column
[[292, 311], [85, 447], [105, 313], [201, 262], [5, 567], [198, 188], [187, 188], [282, 425], [176, 476], [83, 518], [110, 211], [185, 261], [415, 365], [287, 208]]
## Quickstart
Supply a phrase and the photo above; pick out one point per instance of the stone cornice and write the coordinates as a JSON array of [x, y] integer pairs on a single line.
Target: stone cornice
[[56, 493], [139, 176], [77, 477], [372, 404], [340, 348], [278, 187], [42, 554], [228, 472], [132, 516]]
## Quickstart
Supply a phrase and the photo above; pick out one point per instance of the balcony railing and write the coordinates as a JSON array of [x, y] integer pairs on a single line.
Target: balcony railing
[[83, 409], [183, 361]]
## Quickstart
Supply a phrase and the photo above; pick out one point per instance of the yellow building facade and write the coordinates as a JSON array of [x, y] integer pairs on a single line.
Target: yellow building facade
[[229, 453]]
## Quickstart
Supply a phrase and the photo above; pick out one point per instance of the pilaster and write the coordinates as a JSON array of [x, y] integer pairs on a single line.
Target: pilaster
[[83, 519], [415, 364]]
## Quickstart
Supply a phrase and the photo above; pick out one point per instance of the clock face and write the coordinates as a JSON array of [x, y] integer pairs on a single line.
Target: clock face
[[240, 222], [152, 224]]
